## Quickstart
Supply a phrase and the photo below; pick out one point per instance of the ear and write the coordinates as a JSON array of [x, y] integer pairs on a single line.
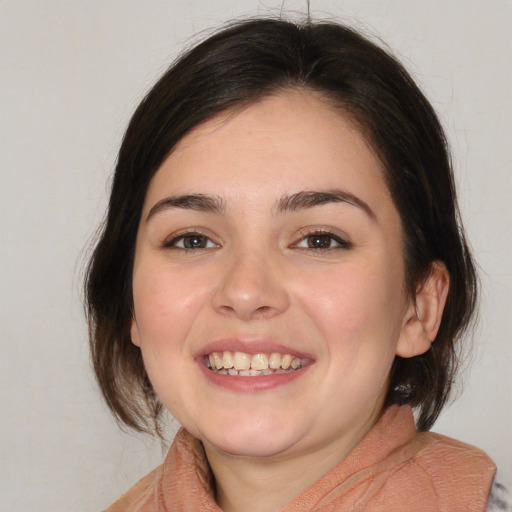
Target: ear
[[134, 332], [424, 312]]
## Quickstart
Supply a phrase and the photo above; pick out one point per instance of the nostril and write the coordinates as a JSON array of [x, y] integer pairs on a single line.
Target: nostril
[[250, 290], [226, 309], [264, 311], [261, 312]]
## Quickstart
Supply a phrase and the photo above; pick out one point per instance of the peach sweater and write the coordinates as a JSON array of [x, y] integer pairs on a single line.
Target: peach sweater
[[394, 468]]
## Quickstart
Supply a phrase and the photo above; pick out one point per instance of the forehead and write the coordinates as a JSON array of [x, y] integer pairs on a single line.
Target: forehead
[[278, 145]]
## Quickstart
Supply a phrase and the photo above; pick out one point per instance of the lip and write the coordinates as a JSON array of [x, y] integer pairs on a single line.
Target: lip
[[250, 384]]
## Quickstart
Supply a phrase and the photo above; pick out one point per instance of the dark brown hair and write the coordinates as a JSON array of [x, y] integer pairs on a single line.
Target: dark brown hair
[[234, 67]]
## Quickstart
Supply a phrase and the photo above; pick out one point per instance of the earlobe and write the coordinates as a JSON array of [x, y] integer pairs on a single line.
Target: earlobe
[[423, 315], [134, 333]]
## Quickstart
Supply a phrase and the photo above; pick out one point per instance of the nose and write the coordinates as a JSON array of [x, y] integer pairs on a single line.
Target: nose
[[251, 287]]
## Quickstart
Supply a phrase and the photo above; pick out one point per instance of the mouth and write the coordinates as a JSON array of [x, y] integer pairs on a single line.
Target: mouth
[[242, 364]]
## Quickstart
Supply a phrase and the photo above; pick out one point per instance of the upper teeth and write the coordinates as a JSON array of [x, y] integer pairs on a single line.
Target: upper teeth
[[243, 361]]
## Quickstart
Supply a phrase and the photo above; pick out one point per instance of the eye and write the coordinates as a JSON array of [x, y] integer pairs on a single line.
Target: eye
[[323, 241], [191, 241]]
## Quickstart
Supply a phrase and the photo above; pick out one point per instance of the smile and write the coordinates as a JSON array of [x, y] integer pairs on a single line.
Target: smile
[[253, 365]]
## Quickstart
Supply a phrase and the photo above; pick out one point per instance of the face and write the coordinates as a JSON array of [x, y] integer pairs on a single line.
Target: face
[[268, 281]]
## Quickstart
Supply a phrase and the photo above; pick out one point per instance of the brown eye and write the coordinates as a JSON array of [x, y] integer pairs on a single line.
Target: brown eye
[[191, 241], [323, 241], [319, 241], [194, 242]]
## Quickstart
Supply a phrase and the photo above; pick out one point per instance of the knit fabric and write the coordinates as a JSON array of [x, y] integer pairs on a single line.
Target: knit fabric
[[394, 468]]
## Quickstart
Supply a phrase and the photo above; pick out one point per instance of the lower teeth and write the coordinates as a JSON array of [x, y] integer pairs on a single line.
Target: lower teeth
[[253, 373]]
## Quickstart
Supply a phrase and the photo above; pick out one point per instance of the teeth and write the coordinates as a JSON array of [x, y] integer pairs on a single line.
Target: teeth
[[240, 363], [274, 361], [259, 362], [248, 373], [217, 361], [227, 360], [286, 361], [295, 363]]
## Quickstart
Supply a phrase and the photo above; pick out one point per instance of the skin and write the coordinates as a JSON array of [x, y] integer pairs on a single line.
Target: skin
[[255, 280]]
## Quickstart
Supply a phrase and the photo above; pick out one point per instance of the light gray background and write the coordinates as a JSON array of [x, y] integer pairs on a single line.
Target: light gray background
[[71, 74]]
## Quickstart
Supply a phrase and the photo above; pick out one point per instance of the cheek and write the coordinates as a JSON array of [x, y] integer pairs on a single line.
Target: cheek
[[166, 303], [355, 298], [166, 307], [360, 318], [358, 312]]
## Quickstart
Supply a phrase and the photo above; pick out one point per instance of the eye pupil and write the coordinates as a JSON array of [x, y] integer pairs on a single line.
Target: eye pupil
[[194, 242], [319, 241]]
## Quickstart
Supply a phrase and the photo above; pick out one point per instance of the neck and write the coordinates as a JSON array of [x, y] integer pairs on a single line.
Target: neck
[[269, 484], [260, 485]]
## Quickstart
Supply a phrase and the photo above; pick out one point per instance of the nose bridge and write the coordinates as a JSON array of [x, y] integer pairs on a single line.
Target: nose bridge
[[251, 285]]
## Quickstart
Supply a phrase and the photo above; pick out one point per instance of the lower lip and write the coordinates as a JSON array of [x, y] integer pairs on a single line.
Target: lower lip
[[251, 384]]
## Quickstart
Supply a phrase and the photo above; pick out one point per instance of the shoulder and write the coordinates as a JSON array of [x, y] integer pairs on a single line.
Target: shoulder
[[182, 482], [457, 472], [435, 451]]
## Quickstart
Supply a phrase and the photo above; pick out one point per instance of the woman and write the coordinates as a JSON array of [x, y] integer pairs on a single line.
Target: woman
[[283, 268]]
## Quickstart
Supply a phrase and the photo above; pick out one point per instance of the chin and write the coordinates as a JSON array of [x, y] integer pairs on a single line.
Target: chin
[[251, 439]]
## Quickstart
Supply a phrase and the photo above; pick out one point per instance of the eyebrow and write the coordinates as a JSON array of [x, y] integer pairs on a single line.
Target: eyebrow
[[197, 202], [310, 199], [288, 203]]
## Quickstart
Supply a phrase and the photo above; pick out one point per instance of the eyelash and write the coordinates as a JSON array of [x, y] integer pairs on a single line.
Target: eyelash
[[201, 238], [173, 242], [327, 236]]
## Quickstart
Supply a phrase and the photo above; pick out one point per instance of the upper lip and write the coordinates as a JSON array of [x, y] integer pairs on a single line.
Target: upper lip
[[250, 346]]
